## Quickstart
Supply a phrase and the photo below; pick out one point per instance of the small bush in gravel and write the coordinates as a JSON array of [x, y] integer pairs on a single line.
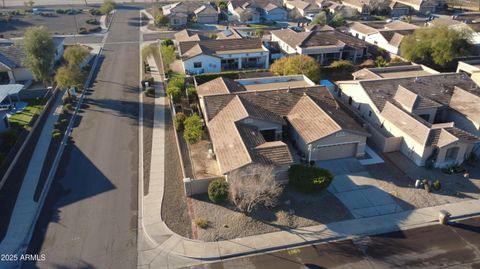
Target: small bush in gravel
[[201, 223], [95, 29], [309, 179], [68, 99], [64, 122], [9, 137], [68, 107], [56, 134], [437, 185], [93, 21], [60, 11], [82, 31], [179, 121], [95, 12], [193, 129], [218, 191], [150, 91]]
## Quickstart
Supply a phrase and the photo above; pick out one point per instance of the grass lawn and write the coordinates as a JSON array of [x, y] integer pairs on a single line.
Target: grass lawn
[[25, 117]]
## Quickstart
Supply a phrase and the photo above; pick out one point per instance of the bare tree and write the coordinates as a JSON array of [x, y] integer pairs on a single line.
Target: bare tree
[[253, 185]]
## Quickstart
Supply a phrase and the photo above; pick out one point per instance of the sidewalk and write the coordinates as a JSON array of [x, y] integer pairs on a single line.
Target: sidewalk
[[25, 207]]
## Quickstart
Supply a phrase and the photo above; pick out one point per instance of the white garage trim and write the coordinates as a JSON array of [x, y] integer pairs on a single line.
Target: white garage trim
[[338, 144]]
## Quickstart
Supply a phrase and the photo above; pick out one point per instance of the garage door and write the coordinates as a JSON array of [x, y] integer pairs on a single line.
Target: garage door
[[334, 152]]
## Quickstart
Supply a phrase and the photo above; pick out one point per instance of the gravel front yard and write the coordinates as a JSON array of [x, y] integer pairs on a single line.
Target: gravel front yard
[[397, 176], [295, 210]]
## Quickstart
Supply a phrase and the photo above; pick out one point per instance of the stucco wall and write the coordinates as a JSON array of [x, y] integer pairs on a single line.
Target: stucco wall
[[209, 64]]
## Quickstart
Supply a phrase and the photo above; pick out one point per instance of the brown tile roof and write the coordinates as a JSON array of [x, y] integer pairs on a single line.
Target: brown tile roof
[[400, 25], [318, 27], [310, 121], [230, 33], [214, 46], [363, 28], [205, 9], [220, 85], [437, 87], [328, 38], [312, 111], [466, 103], [292, 38], [186, 35]]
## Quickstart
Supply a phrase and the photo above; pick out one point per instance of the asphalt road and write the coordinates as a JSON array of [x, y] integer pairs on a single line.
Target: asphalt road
[[438, 246], [90, 218]]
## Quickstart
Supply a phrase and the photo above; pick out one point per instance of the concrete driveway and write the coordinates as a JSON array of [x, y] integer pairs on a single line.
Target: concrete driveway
[[352, 185]]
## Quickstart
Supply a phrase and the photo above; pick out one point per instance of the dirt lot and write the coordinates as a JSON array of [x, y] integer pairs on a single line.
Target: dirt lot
[[295, 210], [58, 24]]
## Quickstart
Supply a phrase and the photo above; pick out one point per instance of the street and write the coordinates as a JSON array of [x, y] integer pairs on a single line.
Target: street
[[90, 217], [437, 246]]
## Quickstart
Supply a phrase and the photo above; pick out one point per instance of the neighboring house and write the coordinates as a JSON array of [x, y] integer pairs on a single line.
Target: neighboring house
[[6, 102], [186, 35], [471, 68], [218, 55], [432, 119], [398, 9], [393, 72], [460, 25], [177, 14], [12, 57], [260, 10], [362, 6], [257, 125], [246, 12], [387, 36], [324, 46], [418, 6], [303, 8], [206, 14], [231, 33]]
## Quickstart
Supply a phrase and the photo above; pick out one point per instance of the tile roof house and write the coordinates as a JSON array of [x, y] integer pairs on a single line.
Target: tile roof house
[[419, 6], [177, 13], [260, 10], [186, 35], [249, 126], [387, 36], [303, 7], [206, 56], [206, 14], [362, 6], [12, 58], [231, 33], [432, 119], [393, 72], [324, 45]]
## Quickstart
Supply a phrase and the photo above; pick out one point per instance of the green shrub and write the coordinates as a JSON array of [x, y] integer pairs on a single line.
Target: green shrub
[[309, 179], [191, 91], [175, 93], [68, 107], [82, 31], [201, 223], [218, 191], [95, 29], [56, 134], [193, 129], [342, 65], [437, 185], [179, 121], [95, 12], [64, 122], [68, 99], [178, 82], [167, 42], [9, 137], [107, 6], [93, 21], [60, 11], [150, 91]]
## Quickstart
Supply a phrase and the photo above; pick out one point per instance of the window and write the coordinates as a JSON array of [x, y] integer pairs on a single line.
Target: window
[[451, 153], [197, 65], [340, 134], [370, 113]]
